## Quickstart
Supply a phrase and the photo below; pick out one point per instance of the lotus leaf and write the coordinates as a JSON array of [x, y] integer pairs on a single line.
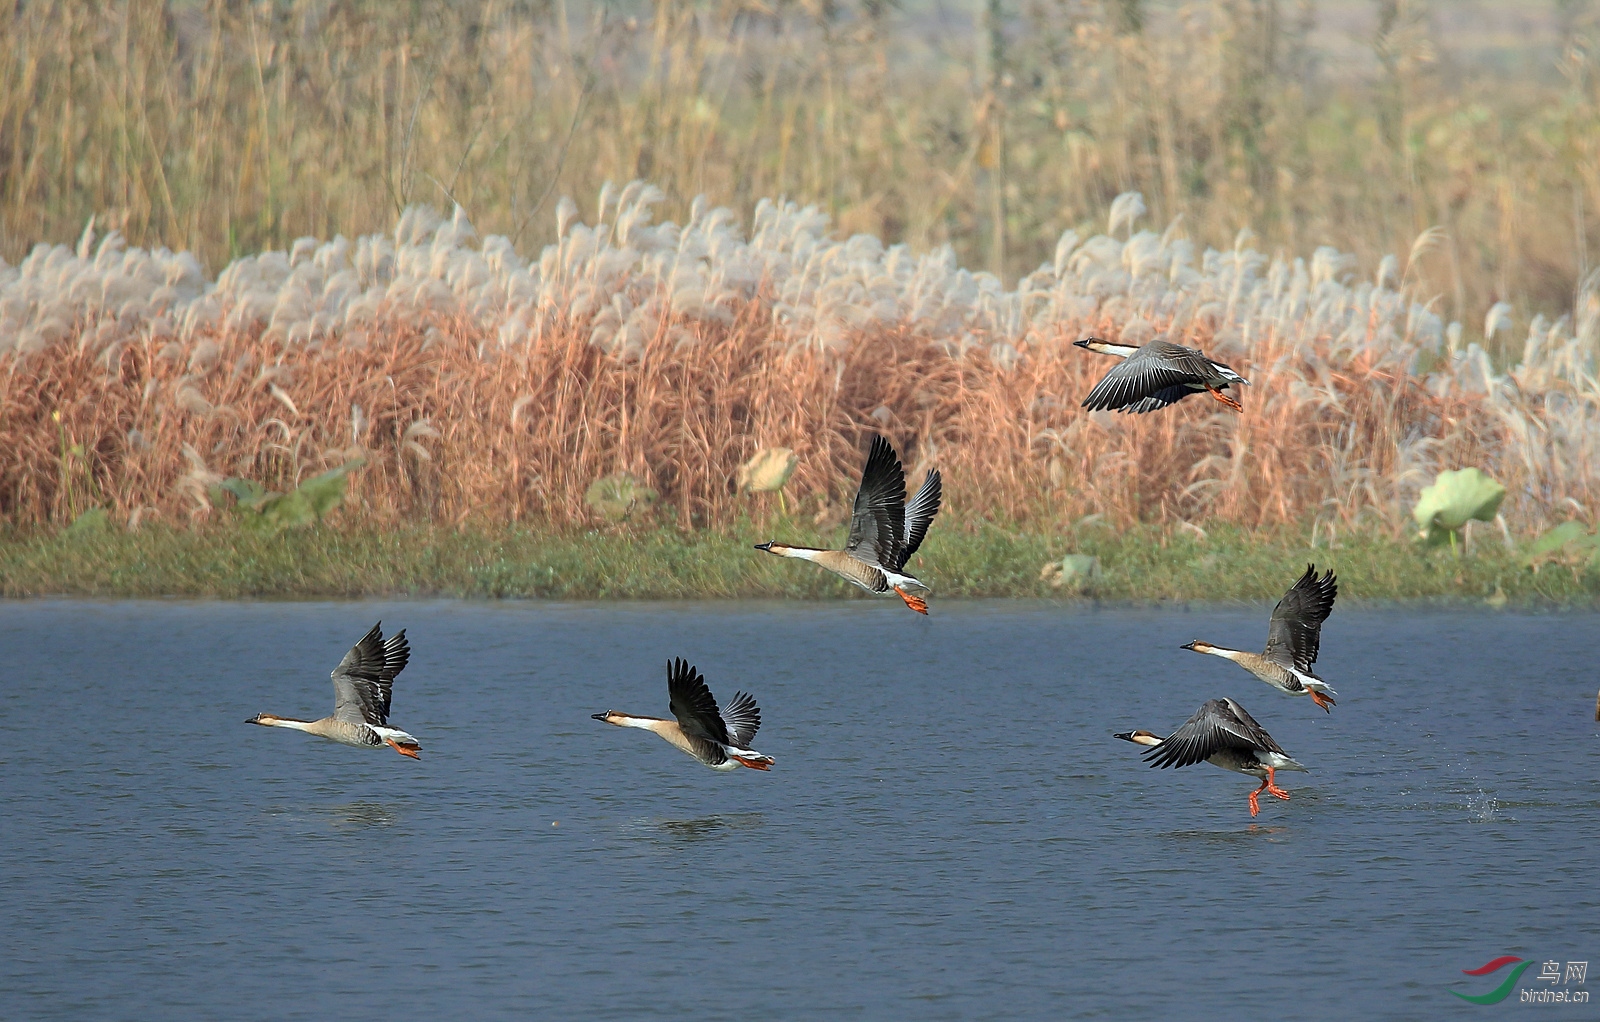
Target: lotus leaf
[[1568, 543], [616, 496], [1080, 566], [1074, 570], [324, 492], [768, 470], [305, 505], [1454, 499], [93, 522], [247, 492], [285, 511]]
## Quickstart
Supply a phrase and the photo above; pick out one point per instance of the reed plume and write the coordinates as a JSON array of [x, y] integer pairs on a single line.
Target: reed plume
[[479, 385]]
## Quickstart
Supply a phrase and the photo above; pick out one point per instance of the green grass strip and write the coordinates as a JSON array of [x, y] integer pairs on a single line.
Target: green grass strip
[[973, 559]]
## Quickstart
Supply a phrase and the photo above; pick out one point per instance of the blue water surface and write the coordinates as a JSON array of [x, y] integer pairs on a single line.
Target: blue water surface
[[950, 832]]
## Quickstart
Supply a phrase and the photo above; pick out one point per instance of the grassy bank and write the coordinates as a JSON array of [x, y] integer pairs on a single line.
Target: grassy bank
[[661, 563]]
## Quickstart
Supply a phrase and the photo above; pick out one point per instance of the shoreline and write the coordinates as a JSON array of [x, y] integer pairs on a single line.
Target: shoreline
[[1145, 566]]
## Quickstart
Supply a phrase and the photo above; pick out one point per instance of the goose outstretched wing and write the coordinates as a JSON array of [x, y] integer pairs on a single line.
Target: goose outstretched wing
[[1295, 635], [742, 719], [919, 515], [1156, 368], [878, 518], [693, 704], [1219, 725], [363, 683]]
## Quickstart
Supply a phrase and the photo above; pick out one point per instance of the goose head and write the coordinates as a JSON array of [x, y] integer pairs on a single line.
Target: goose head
[[1139, 737], [1105, 347]]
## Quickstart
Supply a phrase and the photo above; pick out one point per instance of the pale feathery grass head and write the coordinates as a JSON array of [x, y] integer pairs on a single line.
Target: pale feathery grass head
[[479, 383]]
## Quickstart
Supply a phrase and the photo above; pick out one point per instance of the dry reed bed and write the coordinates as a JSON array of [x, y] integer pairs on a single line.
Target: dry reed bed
[[228, 128], [478, 385]]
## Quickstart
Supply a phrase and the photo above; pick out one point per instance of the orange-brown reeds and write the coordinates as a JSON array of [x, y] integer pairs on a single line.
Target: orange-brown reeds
[[475, 385]]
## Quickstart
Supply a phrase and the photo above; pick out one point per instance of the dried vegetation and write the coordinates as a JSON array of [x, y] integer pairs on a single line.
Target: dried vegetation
[[480, 386]]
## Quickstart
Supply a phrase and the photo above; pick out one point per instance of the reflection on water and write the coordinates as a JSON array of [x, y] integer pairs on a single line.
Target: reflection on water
[[950, 833], [710, 826], [349, 816], [1241, 836], [361, 814]]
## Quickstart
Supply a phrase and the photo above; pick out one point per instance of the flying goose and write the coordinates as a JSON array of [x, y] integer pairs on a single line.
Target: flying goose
[[718, 738], [1292, 640], [1157, 375], [884, 530], [362, 686], [1223, 734]]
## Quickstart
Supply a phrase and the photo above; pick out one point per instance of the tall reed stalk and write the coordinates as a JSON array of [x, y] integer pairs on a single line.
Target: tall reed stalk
[[226, 129]]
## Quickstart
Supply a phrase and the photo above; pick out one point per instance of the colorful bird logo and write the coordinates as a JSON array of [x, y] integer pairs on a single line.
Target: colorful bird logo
[[1500, 992]]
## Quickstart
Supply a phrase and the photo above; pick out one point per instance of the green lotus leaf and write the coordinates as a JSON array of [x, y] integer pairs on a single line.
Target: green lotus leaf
[[1560, 536], [306, 505], [1080, 566], [1456, 498], [324, 492], [768, 470], [616, 496], [247, 492], [93, 522], [286, 511], [1568, 543]]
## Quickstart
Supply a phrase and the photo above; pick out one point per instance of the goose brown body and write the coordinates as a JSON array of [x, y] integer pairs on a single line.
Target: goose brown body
[[885, 530], [1156, 375], [363, 687], [718, 738], [1294, 638], [1223, 734]]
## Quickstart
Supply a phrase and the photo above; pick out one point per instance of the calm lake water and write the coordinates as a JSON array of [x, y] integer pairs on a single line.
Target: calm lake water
[[950, 831]]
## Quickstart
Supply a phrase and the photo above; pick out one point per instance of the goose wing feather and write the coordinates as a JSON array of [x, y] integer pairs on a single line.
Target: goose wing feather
[[1220, 724], [1160, 399], [919, 515], [693, 704], [742, 717], [1158, 367], [1295, 635], [363, 683], [878, 518]]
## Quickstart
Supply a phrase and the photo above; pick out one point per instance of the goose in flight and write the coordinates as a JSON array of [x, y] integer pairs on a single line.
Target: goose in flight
[[1293, 639], [1223, 734], [718, 738], [1157, 375], [884, 530], [362, 685]]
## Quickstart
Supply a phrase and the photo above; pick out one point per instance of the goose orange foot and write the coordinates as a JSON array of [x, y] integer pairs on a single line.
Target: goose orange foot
[[1321, 700], [916, 603], [1268, 785], [404, 750], [1225, 399], [1271, 785]]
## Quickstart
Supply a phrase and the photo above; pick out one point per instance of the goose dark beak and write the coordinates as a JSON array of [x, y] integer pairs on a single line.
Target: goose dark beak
[[767, 546]]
